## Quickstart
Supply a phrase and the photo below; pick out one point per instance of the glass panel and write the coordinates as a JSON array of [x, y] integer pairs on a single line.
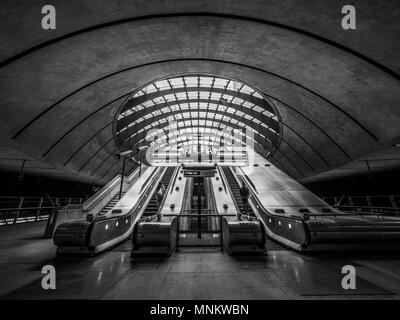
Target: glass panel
[[227, 97], [233, 85], [258, 109], [175, 107], [191, 81], [159, 100], [170, 97], [238, 101], [216, 96], [230, 110], [220, 83], [204, 95], [267, 113], [203, 105], [138, 94], [162, 85], [176, 82], [206, 81], [148, 103], [257, 95], [247, 104], [246, 90], [192, 94], [150, 89], [181, 95]]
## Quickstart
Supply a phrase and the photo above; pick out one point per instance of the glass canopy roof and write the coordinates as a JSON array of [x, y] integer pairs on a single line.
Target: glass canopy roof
[[197, 110]]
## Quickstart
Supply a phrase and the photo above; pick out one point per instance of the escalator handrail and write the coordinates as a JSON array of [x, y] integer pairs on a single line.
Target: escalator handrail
[[267, 213], [247, 179], [113, 184], [222, 180], [175, 176]]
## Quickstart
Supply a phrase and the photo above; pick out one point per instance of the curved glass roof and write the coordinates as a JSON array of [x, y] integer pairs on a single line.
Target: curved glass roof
[[197, 109]]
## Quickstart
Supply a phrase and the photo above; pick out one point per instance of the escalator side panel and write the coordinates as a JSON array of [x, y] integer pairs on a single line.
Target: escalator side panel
[[155, 237], [242, 237]]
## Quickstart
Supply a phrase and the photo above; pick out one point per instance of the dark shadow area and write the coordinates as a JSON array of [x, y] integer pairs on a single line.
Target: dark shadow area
[[385, 183]]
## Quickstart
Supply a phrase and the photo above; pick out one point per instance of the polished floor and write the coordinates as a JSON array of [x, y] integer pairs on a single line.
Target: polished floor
[[188, 274]]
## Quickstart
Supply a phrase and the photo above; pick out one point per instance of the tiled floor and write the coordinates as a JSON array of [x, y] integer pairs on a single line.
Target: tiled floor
[[188, 274]]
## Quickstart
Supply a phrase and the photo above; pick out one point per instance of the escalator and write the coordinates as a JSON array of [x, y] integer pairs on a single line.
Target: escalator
[[235, 189], [243, 233], [152, 235], [111, 204], [152, 207], [297, 219], [103, 232]]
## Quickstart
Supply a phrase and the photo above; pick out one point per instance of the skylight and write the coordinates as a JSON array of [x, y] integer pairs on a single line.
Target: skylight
[[197, 102]]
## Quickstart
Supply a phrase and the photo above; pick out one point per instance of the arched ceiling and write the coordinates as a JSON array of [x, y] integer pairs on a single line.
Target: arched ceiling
[[337, 92]]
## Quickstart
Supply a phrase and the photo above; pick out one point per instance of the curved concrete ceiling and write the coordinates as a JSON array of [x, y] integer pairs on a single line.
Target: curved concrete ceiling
[[337, 92]]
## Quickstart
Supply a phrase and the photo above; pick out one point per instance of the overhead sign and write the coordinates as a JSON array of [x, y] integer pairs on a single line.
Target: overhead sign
[[188, 173]]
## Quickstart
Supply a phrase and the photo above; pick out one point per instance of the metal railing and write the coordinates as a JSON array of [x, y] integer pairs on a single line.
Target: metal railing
[[385, 205], [15, 210], [370, 210]]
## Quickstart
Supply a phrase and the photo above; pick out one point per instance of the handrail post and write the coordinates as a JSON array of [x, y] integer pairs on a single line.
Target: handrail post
[[21, 201], [39, 208]]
